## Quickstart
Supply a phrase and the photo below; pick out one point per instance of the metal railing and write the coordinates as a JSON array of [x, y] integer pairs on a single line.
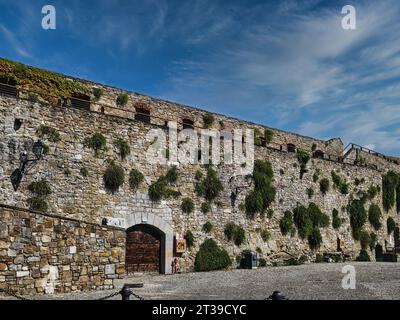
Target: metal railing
[[8, 90], [352, 146]]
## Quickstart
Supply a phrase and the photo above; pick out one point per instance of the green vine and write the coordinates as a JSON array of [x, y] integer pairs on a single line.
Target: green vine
[[303, 157], [159, 189], [48, 132], [390, 185], [135, 178], [210, 186], [113, 177], [41, 190], [96, 142], [358, 216], [308, 222], [263, 195], [235, 233], [49, 85], [123, 147]]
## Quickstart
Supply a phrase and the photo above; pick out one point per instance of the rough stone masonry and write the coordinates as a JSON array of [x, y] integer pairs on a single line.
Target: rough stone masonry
[[53, 253]]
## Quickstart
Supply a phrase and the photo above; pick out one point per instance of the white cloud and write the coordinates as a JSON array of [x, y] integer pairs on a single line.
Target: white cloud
[[305, 65]]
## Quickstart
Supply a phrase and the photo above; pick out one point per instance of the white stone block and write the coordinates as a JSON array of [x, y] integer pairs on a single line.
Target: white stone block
[[21, 274], [110, 269]]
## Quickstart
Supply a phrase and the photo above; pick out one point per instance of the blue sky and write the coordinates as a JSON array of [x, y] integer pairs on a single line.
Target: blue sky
[[286, 64]]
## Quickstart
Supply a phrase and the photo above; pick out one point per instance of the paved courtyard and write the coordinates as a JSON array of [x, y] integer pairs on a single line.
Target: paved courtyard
[[315, 281]]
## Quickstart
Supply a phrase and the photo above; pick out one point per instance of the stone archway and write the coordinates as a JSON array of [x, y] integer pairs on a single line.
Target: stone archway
[[166, 236]]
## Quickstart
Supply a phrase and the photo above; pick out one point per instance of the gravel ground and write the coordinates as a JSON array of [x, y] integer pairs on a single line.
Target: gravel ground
[[313, 281]]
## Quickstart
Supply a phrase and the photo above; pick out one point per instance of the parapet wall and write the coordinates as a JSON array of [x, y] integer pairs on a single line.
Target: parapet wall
[[49, 254], [162, 111]]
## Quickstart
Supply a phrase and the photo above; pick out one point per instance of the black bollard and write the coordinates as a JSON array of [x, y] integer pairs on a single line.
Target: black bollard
[[125, 292], [277, 295]]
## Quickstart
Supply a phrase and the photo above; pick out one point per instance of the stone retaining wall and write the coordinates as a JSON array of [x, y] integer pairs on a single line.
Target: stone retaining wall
[[49, 254]]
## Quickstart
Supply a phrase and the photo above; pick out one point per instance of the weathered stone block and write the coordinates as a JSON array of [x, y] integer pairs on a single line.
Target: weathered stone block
[[109, 269], [46, 238], [21, 274], [19, 259]]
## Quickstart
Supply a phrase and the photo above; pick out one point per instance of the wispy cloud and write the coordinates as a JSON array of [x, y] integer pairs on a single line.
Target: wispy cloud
[[303, 71], [13, 41]]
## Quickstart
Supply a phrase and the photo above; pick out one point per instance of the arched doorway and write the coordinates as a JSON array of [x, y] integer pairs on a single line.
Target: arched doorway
[[154, 222], [145, 249]]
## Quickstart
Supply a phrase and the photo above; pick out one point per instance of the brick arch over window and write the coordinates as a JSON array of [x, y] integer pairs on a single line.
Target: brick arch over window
[[291, 147], [142, 112], [138, 218], [187, 123], [318, 154], [81, 101]]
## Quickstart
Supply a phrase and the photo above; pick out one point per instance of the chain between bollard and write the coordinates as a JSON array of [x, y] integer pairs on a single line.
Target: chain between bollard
[[110, 296], [125, 292]]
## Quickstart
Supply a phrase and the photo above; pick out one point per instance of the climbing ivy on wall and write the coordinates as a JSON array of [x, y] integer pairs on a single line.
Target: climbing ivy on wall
[[235, 233], [43, 82], [48, 132], [123, 148], [135, 178], [324, 186], [358, 216], [187, 205], [263, 195], [303, 157], [210, 186], [308, 222], [336, 222], [374, 216], [40, 190], [390, 185], [286, 223], [160, 188], [97, 142], [340, 183], [113, 177]]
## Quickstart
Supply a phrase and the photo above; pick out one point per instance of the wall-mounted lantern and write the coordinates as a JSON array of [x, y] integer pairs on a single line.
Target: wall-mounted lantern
[[17, 175]]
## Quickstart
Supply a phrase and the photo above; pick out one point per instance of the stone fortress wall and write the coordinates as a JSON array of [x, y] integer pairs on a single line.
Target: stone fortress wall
[[85, 199], [44, 254]]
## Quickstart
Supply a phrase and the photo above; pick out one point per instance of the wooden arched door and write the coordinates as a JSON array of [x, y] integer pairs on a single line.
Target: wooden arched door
[[143, 249]]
